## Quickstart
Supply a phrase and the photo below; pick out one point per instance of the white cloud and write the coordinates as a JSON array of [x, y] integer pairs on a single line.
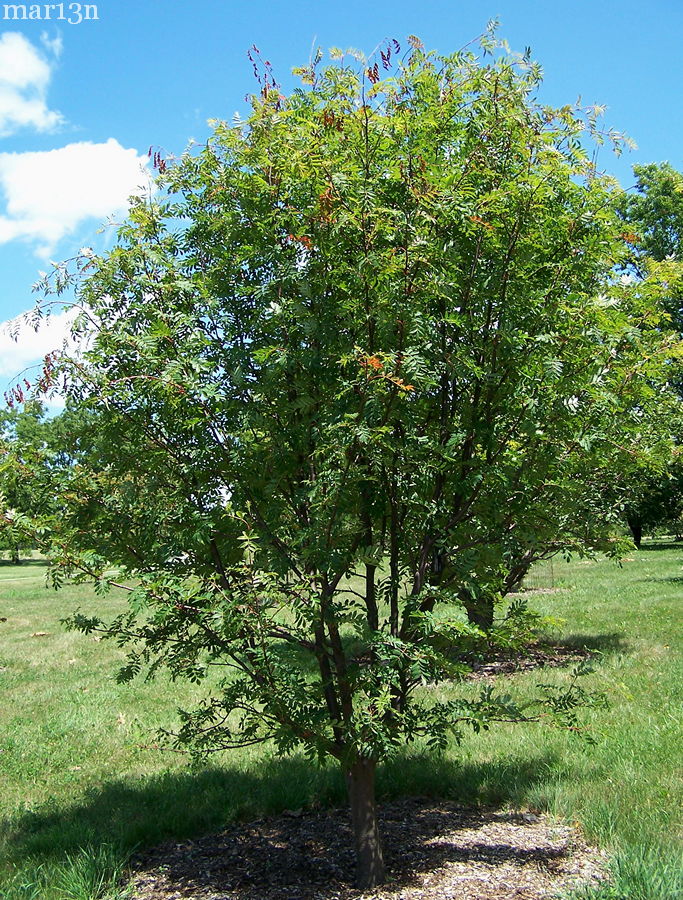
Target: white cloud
[[50, 193], [24, 78], [54, 45], [31, 346]]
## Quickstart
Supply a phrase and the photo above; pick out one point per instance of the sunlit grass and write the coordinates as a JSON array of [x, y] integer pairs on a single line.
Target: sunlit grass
[[81, 786]]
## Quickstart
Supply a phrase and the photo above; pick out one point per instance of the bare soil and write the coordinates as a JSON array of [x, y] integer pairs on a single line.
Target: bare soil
[[433, 850]]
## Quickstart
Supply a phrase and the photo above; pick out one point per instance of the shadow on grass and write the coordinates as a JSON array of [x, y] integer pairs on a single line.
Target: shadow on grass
[[613, 642], [650, 546], [24, 564], [180, 805], [672, 579]]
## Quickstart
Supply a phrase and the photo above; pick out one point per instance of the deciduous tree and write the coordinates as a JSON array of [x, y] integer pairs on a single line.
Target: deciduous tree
[[352, 344]]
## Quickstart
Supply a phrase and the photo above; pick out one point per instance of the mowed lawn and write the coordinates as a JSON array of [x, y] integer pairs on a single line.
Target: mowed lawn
[[82, 784]]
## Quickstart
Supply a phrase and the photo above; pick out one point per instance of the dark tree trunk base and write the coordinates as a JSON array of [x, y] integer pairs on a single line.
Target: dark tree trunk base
[[479, 612], [636, 532], [360, 781]]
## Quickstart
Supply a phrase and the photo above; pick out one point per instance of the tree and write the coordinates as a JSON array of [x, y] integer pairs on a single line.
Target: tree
[[339, 354], [656, 500], [34, 447], [653, 219], [655, 212], [23, 436]]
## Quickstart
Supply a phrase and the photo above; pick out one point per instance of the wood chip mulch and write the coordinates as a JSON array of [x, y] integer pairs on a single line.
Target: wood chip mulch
[[538, 656], [434, 851]]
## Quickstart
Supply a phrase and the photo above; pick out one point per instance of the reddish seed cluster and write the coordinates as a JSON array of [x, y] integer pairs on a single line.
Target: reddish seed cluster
[[263, 73], [392, 46], [331, 120], [19, 392], [373, 73], [47, 378], [158, 160]]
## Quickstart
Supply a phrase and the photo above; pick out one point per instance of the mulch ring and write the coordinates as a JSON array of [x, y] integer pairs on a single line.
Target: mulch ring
[[537, 656], [433, 851]]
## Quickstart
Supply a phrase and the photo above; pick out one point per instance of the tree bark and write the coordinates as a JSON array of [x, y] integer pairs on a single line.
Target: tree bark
[[517, 573], [360, 781], [479, 612], [636, 528]]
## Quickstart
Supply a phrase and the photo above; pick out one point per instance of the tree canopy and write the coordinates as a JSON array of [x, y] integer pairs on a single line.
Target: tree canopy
[[652, 212], [28, 439]]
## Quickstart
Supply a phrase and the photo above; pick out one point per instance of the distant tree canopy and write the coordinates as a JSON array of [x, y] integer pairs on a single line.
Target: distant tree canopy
[[34, 446], [22, 434], [359, 356], [653, 218], [656, 210]]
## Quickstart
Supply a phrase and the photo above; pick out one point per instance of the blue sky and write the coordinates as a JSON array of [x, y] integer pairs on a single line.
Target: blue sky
[[81, 103]]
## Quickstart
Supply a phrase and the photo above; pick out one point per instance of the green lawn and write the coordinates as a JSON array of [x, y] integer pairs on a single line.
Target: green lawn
[[81, 784]]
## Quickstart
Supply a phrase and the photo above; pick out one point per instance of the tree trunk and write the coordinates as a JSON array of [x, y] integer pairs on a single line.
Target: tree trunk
[[15, 556], [517, 573], [360, 781], [479, 612], [636, 531]]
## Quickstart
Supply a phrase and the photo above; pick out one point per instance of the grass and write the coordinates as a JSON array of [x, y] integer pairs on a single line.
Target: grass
[[81, 787]]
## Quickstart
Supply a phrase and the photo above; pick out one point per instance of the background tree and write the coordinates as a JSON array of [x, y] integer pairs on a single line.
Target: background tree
[[655, 501], [653, 222], [23, 436], [655, 212], [338, 356], [34, 447], [572, 499]]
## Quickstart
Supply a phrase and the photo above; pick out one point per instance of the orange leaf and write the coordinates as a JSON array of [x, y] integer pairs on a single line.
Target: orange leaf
[[399, 383], [301, 239], [480, 221]]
